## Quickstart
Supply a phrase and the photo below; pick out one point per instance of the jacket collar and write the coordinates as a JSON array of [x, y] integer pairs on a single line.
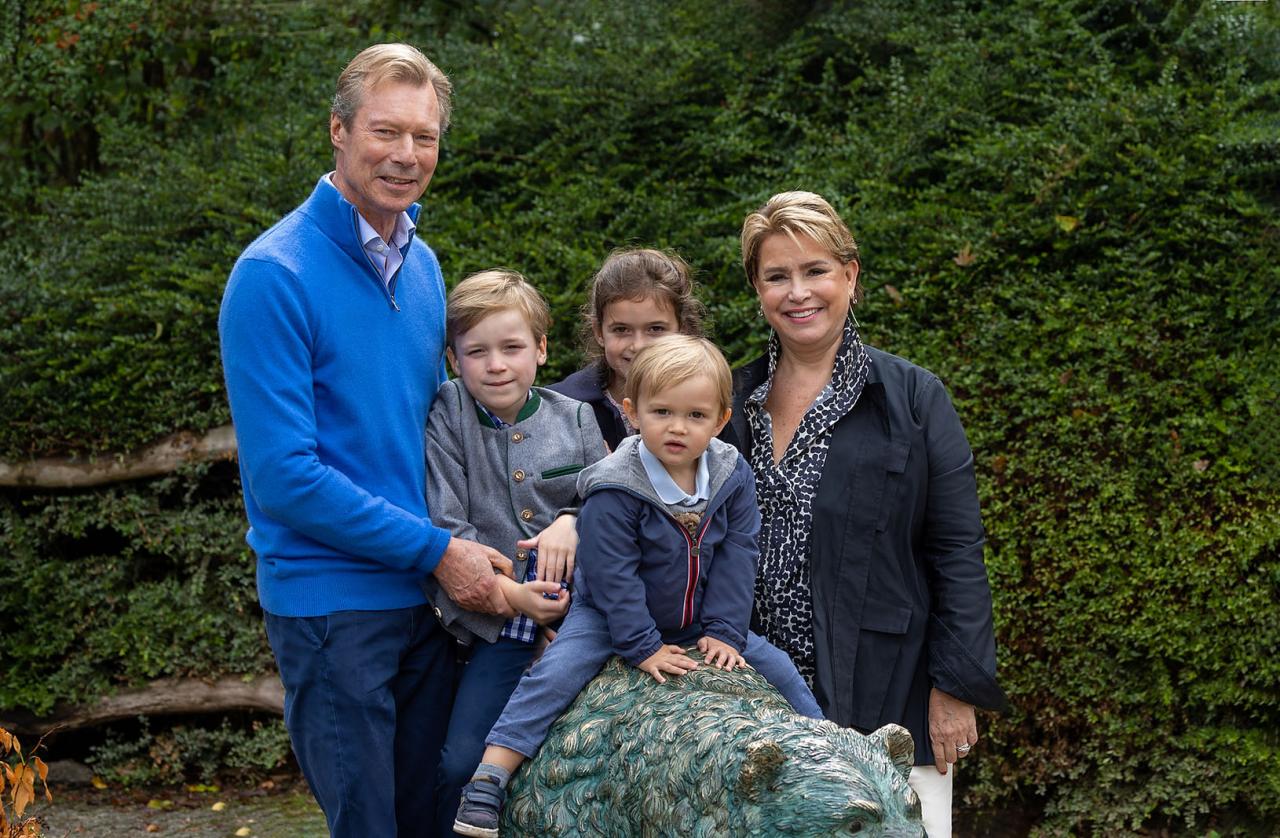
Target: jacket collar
[[584, 385], [752, 374], [622, 469]]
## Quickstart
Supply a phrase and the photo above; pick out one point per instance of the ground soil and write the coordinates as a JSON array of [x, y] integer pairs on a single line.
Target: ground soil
[[278, 808]]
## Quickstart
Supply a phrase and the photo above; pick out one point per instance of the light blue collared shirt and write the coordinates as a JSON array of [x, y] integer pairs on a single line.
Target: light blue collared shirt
[[668, 492], [387, 257]]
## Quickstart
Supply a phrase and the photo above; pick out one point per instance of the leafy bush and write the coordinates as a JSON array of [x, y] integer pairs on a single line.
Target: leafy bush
[[1067, 211], [180, 753]]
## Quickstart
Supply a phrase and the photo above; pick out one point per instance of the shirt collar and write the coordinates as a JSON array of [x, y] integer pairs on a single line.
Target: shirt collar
[[399, 237], [493, 420], [668, 491]]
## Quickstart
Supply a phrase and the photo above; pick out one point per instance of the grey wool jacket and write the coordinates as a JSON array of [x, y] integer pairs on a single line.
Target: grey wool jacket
[[497, 486]]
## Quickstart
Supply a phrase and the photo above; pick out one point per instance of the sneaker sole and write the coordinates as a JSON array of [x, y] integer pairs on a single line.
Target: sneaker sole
[[474, 831]]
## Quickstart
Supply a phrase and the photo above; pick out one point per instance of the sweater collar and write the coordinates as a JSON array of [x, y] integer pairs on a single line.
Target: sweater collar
[[339, 219]]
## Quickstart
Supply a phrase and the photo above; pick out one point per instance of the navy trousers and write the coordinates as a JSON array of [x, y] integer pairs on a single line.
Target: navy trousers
[[486, 682], [367, 701]]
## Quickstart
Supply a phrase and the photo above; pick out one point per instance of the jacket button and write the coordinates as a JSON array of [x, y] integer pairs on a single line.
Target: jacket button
[[517, 437], [439, 616], [518, 475], [526, 514], [522, 554]]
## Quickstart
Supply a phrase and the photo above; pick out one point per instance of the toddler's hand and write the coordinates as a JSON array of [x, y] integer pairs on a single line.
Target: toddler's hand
[[719, 654], [669, 659], [556, 545]]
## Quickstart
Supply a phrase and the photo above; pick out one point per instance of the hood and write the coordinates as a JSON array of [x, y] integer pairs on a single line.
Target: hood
[[623, 469]]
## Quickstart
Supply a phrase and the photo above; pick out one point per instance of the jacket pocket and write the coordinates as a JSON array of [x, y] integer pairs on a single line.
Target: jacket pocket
[[561, 471], [895, 464], [880, 644]]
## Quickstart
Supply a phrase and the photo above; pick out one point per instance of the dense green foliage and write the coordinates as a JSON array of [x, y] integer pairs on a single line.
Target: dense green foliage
[[1067, 210]]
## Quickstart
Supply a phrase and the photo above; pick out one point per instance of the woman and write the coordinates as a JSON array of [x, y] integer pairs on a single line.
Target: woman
[[871, 574]]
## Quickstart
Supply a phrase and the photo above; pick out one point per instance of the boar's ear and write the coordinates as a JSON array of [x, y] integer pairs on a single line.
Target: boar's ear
[[760, 768], [901, 747]]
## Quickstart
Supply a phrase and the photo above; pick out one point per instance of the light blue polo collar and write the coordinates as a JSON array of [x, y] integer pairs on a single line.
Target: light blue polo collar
[[666, 488]]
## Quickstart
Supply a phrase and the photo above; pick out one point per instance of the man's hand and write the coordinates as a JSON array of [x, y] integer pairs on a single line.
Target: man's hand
[[465, 573], [556, 546], [719, 654], [669, 659]]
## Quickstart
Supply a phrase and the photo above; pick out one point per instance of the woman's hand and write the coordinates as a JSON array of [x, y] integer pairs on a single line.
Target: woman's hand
[[953, 729], [556, 546], [719, 654], [669, 659]]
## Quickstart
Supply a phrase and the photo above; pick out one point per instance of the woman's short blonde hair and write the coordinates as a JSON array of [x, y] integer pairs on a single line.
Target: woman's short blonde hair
[[798, 214], [675, 359], [389, 62], [491, 291]]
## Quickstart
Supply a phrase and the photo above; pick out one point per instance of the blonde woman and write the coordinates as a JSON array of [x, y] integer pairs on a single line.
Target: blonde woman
[[871, 575]]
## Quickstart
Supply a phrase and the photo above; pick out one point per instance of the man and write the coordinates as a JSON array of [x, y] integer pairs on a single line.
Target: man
[[332, 329]]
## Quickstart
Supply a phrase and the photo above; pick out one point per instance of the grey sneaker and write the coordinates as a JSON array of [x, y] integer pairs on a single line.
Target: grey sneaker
[[480, 809]]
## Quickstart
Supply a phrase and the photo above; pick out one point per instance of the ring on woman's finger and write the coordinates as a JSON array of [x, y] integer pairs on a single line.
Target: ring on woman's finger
[[963, 749]]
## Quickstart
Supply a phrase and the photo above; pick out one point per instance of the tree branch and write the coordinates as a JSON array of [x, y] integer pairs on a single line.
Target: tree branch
[[163, 457], [168, 696]]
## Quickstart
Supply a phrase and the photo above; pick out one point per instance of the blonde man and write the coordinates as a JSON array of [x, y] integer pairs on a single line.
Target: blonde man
[[332, 330]]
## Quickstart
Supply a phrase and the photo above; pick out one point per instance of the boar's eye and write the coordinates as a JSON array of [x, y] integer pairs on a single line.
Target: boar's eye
[[861, 812]]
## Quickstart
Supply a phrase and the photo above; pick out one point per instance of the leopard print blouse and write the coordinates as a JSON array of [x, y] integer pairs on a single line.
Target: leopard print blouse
[[785, 492]]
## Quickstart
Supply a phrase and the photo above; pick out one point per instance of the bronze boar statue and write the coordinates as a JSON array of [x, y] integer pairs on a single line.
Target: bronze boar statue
[[709, 753]]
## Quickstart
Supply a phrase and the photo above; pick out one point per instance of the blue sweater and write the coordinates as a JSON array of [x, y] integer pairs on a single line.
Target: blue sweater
[[330, 376]]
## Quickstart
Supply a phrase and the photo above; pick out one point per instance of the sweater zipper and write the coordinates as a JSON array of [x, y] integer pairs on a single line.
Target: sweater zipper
[[388, 289]]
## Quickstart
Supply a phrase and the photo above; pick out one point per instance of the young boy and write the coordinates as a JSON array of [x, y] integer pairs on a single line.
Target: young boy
[[503, 457], [669, 556]]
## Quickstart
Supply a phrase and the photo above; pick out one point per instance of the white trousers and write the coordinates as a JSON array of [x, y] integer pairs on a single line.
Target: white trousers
[[934, 791]]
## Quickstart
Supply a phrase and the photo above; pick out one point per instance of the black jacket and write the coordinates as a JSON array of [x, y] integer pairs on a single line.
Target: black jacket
[[587, 385], [900, 595]]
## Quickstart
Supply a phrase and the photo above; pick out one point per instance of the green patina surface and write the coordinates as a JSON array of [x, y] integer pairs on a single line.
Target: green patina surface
[[708, 753]]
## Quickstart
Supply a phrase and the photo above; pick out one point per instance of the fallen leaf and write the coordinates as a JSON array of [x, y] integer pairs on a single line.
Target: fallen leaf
[[243, 831], [153, 827], [153, 803], [219, 806], [965, 257], [97, 782]]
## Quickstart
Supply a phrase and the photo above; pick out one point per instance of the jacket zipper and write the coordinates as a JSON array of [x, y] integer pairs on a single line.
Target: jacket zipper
[[694, 567]]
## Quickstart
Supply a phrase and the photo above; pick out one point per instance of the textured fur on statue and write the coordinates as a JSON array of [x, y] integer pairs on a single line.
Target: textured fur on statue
[[709, 753]]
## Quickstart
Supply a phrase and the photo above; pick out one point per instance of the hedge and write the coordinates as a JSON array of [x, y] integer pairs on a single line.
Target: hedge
[[1067, 210]]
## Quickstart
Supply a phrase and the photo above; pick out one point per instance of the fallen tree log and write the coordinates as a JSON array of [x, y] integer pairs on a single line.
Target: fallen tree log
[[165, 697], [162, 457]]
